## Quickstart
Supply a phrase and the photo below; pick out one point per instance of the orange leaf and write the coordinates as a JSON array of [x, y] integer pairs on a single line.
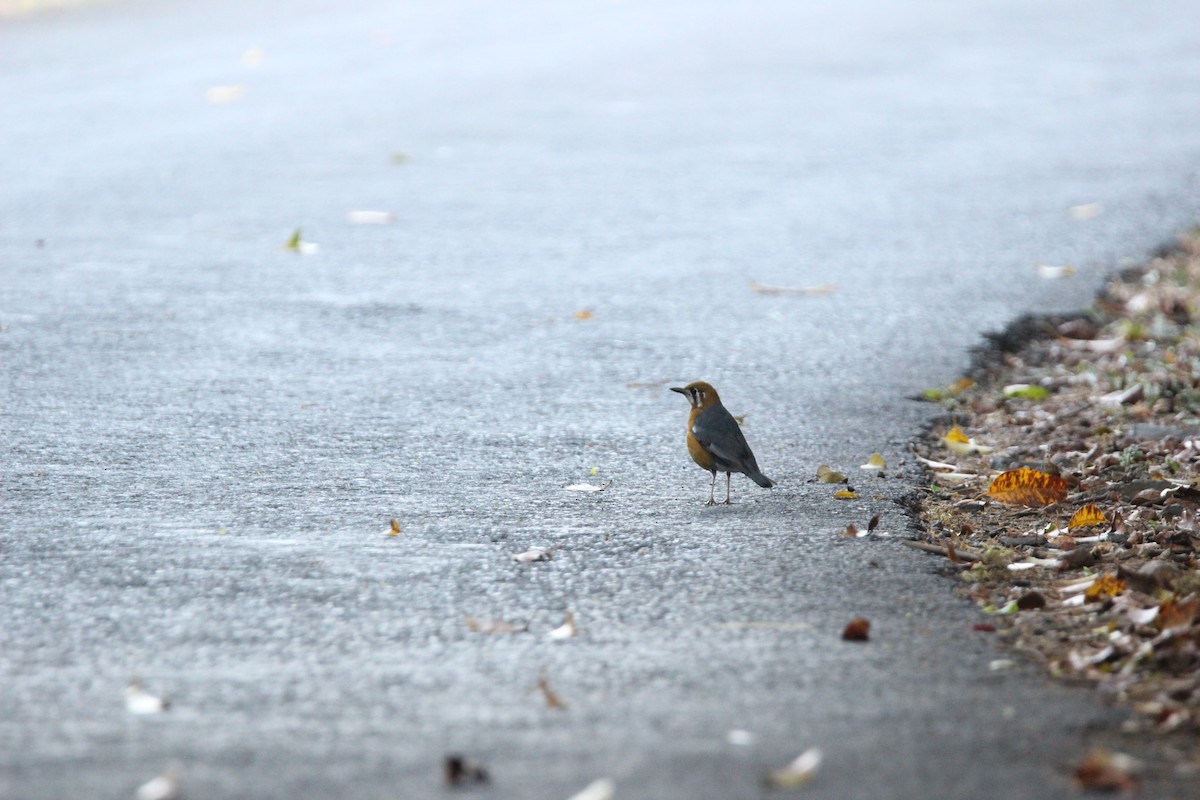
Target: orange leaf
[[1028, 487], [1086, 516], [1105, 586], [1178, 611]]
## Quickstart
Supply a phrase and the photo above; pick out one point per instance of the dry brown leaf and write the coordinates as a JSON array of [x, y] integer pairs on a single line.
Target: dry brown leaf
[[851, 530], [1178, 612], [552, 699], [857, 630], [461, 771], [394, 527], [1102, 770], [874, 523], [1028, 487]]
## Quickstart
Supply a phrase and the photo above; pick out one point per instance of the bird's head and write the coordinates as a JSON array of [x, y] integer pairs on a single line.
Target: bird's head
[[699, 394]]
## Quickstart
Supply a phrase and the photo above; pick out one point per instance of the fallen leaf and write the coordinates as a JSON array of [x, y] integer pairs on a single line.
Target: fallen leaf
[[1026, 391], [874, 523], [739, 737], [1106, 586], [1087, 516], [394, 529], [552, 699], [1051, 273], [1031, 601], [139, 701], [602, 789], [984, 627], [531, 556], [875, 462], [958, 442], [587, 487], [493, 626], [799, 772], [167, 786], [851, 530], [1085, 211], [1028, 487], [370, 217], [951, 555], [297, 245], [1178, 612], [565, 631], [807, 291], [1103, 770], [220, 95], [582, 315], [857, 630], [845, 494], [940, 393], [827, 475], [460, 771]]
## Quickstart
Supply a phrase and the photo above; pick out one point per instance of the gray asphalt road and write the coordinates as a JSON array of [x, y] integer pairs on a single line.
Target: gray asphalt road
[[204, 435]]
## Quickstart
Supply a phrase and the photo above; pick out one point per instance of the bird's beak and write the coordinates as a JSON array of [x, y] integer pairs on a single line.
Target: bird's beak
[[677, 389]]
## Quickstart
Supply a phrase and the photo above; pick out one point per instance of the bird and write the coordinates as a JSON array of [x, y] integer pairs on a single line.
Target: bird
[[715, 441]]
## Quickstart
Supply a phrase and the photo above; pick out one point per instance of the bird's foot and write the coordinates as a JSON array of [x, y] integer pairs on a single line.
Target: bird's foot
[[727, 502], [710, 502]]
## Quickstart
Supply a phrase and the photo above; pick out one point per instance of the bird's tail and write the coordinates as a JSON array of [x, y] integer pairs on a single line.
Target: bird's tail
[[760, 479]]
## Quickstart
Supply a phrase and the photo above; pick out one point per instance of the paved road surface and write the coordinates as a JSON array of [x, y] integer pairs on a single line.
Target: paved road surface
[[204, 435]]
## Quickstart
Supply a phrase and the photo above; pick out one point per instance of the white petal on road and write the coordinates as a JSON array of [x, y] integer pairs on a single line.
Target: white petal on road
[[530, 556], [165, 787], [602, 789], [587, 487], [800, 771]]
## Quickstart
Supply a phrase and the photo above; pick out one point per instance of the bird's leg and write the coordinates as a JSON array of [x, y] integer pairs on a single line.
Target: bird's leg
[[728, 478], [712, 485]]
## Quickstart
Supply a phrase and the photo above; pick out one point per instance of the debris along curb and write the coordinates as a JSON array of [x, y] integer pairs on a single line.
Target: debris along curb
[[1064, 490]]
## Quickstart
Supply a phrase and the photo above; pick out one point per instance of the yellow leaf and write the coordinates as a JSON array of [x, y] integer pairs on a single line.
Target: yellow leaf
[[875, 462], [395, 527], [584, 314], [1105, 586], [845, 494], [955, 434], [827, 475], [1086, 516], [1028, 487], [958, 442]]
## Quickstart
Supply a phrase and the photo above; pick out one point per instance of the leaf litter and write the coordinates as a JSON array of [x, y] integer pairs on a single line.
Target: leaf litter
[[1079, 530]]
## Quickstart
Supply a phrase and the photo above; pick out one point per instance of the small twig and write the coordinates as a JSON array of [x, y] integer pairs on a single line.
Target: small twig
[[963, 555]]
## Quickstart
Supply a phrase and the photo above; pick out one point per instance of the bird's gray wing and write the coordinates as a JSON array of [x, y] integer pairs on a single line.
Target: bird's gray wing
[[718, 431]]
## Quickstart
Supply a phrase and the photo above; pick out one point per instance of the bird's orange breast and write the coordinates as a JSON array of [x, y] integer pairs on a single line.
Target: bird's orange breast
[[695, 449]]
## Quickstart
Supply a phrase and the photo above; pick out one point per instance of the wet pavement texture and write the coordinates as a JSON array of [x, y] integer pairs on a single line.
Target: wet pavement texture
[[205, 434]]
